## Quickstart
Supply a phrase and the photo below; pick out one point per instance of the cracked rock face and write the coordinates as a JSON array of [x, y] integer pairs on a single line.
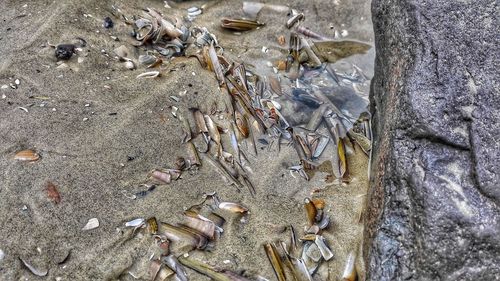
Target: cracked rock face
[[434, 200]]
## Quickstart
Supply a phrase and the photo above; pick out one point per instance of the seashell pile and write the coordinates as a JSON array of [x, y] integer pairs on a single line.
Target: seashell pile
[[168, 36]]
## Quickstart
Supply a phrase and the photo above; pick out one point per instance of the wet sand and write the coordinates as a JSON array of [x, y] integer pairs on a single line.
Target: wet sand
[[100, 131]]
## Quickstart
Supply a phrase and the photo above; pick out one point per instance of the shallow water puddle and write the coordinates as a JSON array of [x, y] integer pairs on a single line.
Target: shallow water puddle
[[290, 131]]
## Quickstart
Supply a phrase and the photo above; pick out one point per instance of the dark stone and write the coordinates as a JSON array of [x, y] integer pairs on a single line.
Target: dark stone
[[65, 51], [434, 199], [108, 22]]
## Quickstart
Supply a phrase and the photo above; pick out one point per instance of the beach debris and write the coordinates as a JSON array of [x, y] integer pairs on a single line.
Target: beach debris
[[294, 19], [172, 262], [167, 36], [147, 59], [350, 273], [143, 193], [65, 51], [52, 192], [282, 40], [213, 273], [91, 224], [130, 65], [240, 24], [275, 259], [108, 22], [149, 74], [193, 12], [233, 207], [2, 255], [34, 270], [135, 222], [152, 225], [332, 51], [27, 155], [314, 251]]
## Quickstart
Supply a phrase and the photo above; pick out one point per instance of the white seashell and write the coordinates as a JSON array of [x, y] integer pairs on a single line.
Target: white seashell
[[91, 224], [37, 272], [194, 11], [135, 223], [150, 74], [130, 65]]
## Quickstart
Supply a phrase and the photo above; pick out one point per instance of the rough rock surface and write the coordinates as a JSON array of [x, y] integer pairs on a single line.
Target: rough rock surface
[[434, 202]]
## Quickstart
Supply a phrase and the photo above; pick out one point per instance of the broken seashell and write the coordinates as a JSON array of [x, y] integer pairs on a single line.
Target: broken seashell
[[161, 176], [233, 207], [91, 224], [323, 247], [194, 11], [135, 223], [27, 155], [149, 74], [37, 272], [152, 225], [350, 268]]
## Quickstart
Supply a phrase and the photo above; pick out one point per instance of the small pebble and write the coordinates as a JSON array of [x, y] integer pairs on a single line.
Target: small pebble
[[5, 86], [3, 96], [344, 33], [17, 82], [2, 255], [85, 119], [87, 104], [80, 60], [108, 22], [65, 51]]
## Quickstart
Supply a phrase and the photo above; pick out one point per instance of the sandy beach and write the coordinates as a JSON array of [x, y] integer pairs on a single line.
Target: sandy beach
[[99, 132]]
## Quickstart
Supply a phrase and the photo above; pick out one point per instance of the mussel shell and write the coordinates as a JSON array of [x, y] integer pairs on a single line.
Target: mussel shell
[[147, 59]]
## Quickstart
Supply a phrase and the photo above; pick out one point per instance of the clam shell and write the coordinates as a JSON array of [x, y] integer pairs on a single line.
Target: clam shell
[[27, 155]]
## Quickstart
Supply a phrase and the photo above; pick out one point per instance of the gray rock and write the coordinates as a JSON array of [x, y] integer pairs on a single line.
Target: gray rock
[[434, 201]]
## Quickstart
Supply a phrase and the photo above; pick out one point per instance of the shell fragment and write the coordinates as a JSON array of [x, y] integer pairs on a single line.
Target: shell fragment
[[91, 224]]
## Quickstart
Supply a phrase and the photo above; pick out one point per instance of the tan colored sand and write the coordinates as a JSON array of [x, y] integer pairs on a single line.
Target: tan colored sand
[[84, 149]]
